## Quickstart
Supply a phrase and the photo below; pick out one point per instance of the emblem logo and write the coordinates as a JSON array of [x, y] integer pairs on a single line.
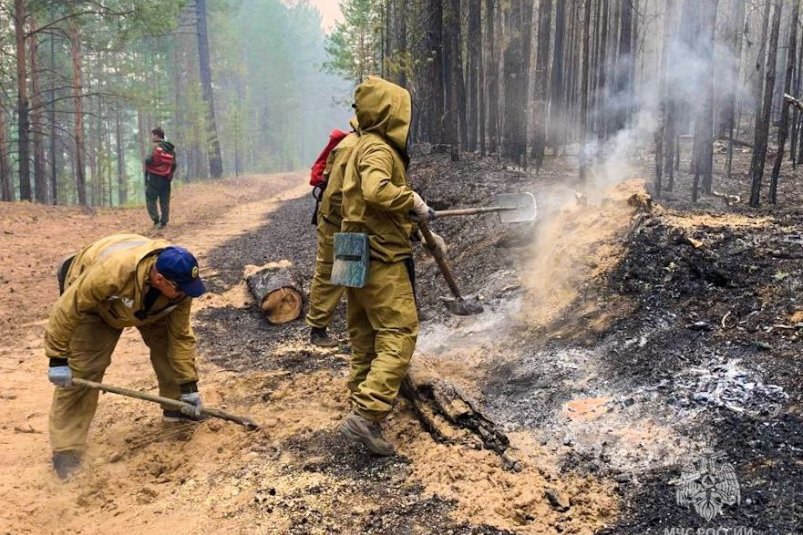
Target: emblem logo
[[194, 272], [708, 483]]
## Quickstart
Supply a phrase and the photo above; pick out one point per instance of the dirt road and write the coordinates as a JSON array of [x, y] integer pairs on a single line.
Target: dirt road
[[296, 476]]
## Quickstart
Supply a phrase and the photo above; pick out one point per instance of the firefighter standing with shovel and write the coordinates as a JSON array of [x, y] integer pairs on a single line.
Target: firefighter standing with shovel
[[121, 281]]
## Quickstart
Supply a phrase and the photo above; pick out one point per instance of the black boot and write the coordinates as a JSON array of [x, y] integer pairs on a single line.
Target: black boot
[[320, 338], [66, 463]]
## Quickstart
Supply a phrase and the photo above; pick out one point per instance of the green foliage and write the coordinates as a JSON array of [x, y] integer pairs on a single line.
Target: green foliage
[[355, 45]]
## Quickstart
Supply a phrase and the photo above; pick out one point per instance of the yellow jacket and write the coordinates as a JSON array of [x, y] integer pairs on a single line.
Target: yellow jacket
[[110, 278], [376, 196], [329, 211]]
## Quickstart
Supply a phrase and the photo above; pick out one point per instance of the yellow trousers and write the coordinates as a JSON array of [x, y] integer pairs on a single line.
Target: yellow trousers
[[91, 349], [323, 295], [383, 327]]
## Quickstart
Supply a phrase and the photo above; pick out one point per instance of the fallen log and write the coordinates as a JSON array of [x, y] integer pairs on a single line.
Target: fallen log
[[278, 291], [453, 417]]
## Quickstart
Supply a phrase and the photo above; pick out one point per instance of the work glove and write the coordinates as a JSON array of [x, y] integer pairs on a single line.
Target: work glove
[[420, 211], [60, 376], [193, 398], [440, 245]]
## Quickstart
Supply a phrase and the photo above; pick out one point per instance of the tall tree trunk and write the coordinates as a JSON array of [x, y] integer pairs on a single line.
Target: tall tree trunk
[[542, 83], [492, 80], [37, 124], [452, 77], [54, 147], [212, 140], [737, 20], [474, 60], [584, 91], [481, 89], [662, 137], [783, 129], [436, 49], [78, 118], [23, 126], [6, 189], [458, 78], [557, 113], [706, 164], [515, 140], [763, 121], [602, 67], [622, 83], [122, 182]]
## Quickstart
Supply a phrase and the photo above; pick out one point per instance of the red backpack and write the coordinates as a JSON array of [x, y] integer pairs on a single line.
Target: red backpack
[[317, 178]]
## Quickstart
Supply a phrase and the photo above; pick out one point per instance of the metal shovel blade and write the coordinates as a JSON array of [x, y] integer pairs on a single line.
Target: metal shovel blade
[[519, 207], [463, 306]]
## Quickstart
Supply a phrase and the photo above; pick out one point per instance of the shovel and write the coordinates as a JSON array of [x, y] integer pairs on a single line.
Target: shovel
[[511, 207], [176, 404], [458, 305]]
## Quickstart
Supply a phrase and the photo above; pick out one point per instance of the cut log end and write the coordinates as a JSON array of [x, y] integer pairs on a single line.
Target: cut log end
[[282, 306], [278, 290]]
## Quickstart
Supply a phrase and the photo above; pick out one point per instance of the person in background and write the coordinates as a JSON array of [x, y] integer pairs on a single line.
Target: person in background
[[159, 169]]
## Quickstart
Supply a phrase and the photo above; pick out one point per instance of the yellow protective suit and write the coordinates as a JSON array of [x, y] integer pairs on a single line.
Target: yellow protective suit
[[104, 292], [382, 317], [323, 295]]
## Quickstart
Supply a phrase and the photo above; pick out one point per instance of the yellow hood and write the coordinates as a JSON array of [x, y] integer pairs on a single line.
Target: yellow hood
[[384, 109]]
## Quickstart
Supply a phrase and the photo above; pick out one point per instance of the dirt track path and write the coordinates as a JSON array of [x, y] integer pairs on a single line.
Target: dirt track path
[[205, 216]]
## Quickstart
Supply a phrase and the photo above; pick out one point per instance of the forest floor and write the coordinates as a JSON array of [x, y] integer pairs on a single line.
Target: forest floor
[[621, 337]]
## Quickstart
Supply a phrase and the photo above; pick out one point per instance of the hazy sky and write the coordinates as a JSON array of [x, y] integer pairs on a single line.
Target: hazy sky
[[330, 10]]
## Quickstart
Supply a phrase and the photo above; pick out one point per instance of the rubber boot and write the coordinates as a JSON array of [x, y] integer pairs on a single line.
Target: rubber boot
[[319, 337], [364, 431], [66, 463]]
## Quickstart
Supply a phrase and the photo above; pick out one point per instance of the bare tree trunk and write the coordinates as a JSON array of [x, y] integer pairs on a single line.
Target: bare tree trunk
[[492, 76], [763, 121], [23, 127], [622, 82], [212, 140], [122, 183], [602, 66], [452, 77], [542, 83], [39, 179], [737, 18], [474, 60], [557, 117], [436, 48], [706, 164], [78, 133], [6, 189], [515, 141], [783, 129], [584, 91], [663, 140], [54, 147], [481, 89]]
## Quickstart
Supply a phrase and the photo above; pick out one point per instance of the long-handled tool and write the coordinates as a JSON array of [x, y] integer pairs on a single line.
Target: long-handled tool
[[462, 306], [511, 207], [176, 404]]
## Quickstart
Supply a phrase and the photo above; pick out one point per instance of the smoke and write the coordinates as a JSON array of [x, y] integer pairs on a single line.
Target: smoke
[[692, 71]]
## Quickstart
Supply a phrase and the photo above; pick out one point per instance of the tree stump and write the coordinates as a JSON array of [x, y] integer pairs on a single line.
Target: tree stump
[[278, 291]]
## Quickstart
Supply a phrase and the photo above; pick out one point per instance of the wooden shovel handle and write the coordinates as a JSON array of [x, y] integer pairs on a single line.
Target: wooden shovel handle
[[442, 264], [175, 403]]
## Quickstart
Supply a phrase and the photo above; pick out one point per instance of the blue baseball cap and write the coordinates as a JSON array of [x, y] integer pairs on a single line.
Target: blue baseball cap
[[177, 265]]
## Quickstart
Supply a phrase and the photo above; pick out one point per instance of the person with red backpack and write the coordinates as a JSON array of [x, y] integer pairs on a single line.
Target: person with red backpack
[[159, 169], [327, 179]]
